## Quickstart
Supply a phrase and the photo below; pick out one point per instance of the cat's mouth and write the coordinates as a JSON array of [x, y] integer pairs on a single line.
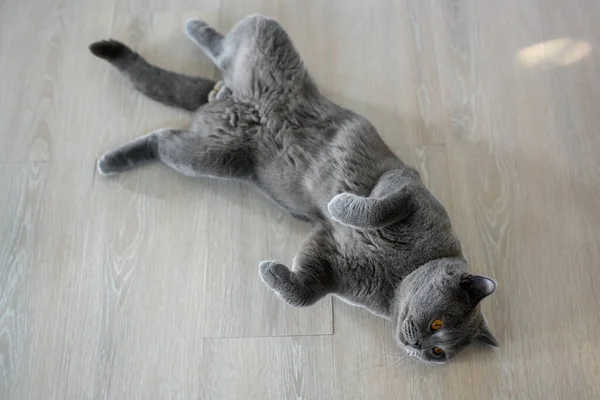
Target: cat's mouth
[[412, 353]]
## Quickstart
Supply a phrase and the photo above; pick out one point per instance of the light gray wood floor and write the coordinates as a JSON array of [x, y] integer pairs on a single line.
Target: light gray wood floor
[[146, 286]]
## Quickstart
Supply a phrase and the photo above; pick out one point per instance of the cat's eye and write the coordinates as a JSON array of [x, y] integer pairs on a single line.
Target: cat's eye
[[437, 352], [437, 324]]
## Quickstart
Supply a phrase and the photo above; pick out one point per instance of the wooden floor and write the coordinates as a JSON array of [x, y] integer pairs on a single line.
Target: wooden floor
[[146, 286]]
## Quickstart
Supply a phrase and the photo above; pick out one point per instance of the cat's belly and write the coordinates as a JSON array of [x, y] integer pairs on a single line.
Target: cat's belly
[[285, 188], [284, 156]]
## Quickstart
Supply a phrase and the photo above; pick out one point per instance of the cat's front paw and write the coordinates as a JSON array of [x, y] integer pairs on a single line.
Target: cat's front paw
[[340, 206], [275, 275]]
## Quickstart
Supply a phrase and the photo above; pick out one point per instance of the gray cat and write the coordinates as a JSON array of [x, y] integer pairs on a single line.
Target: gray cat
[[381, 240]]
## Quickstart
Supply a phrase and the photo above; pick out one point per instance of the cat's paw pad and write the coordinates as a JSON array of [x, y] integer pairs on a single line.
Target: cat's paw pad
[[274, 274], [219, 92], [110, 49], [223, 93]]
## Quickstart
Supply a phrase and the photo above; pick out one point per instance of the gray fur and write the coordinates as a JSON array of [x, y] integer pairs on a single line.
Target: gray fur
[[381, 240], [167, 87]]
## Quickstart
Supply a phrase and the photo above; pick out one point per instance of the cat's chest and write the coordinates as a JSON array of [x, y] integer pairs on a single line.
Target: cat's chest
[[396, 252], [375, 248]]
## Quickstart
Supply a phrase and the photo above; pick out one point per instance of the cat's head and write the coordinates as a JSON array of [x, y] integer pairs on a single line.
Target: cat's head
[[438, 311]]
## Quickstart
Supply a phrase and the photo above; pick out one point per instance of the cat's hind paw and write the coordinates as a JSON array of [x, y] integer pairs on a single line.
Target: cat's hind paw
[[110, 50], [194, 28]]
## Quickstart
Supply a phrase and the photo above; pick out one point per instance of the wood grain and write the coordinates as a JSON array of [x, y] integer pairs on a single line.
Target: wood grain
[[246, 230], [146, 285], [283, 368], [21, 195]]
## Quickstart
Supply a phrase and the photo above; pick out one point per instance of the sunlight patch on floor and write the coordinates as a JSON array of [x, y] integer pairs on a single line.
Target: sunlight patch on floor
[[554, 53]]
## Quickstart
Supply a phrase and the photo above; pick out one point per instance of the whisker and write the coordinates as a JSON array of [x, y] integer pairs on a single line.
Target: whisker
[[404, 359], [397, 361], [395, 356]]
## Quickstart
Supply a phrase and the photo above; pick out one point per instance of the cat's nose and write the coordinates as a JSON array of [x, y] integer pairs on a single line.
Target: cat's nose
[[418, 345]]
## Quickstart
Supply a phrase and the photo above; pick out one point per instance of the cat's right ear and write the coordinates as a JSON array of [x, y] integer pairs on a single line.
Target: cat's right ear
[[370, 212], [478, 287]]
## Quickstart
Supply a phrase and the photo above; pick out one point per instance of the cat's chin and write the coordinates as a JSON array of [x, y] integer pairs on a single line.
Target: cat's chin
[[401, 341]]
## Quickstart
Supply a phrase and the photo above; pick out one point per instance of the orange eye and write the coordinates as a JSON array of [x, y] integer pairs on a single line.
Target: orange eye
[[437, 351], [437, 324]]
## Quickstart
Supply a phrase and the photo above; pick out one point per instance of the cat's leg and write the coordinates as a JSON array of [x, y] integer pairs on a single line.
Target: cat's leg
[[136, 152], [257, 58], [164, 86], [190, 153], [209, 40], [311, 276]]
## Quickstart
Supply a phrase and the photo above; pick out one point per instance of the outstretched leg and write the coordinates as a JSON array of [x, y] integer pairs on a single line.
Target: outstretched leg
[[311, 276], [209, 40], [136, 152], [257, 58], [166, 87], [190, 153]]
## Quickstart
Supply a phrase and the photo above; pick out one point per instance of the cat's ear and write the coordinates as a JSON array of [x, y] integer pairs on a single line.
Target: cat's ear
[[371, 212], [485, 335], [477, 287]]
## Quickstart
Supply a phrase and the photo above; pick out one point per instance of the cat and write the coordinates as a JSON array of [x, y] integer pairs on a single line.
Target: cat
[[381, 240]]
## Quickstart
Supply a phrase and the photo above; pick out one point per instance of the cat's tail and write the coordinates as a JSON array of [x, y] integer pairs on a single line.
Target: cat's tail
[[166, 87]]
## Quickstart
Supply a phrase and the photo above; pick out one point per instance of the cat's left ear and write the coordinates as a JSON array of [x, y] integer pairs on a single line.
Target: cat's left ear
[[478, 287], [484, 334]]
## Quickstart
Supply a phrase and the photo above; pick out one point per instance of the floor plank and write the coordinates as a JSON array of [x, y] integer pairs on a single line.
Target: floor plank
[[243, 231], [21, 196], [284, 368]]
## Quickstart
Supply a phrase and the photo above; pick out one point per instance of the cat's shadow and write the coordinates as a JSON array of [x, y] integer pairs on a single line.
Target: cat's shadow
[[164, 187]]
